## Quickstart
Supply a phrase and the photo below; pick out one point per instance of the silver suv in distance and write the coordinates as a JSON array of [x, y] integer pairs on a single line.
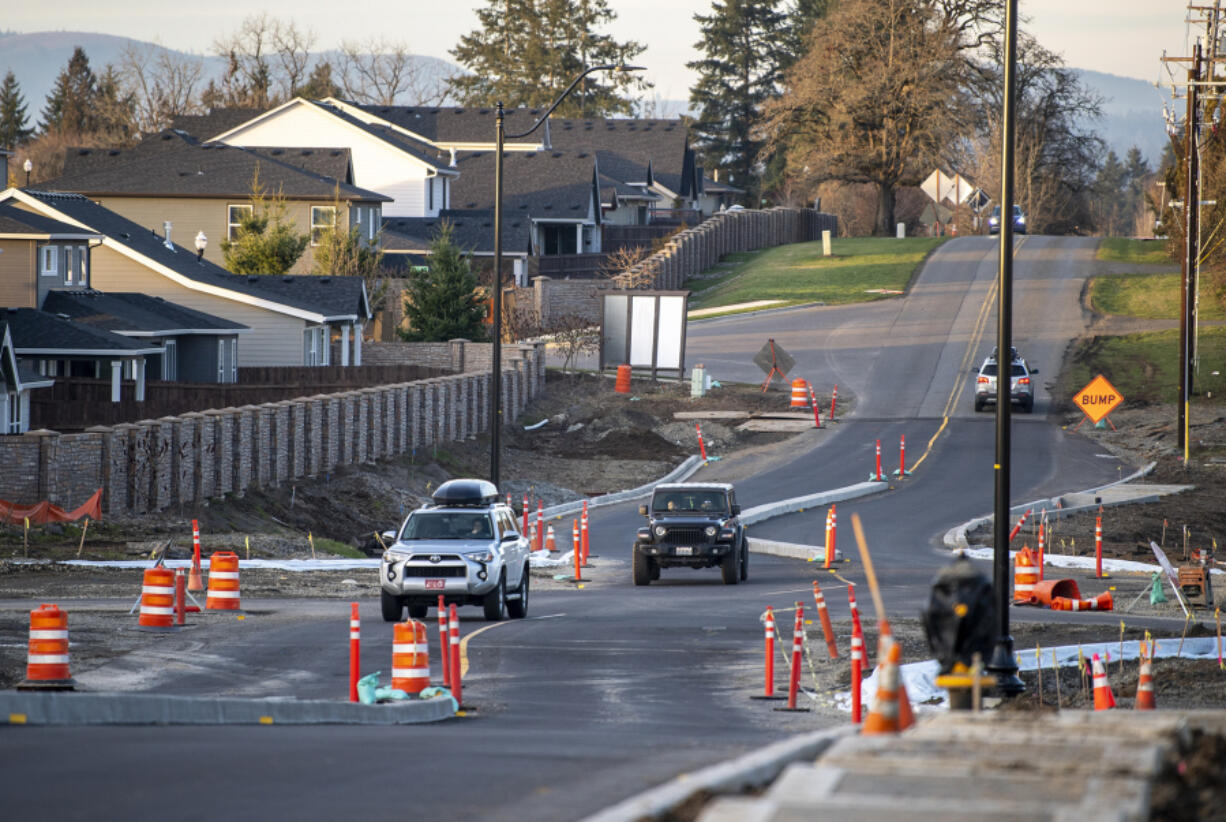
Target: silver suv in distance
[[1021, 384], [465, 546]]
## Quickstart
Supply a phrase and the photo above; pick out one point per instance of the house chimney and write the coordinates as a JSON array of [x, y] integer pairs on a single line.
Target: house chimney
[[166, 226]]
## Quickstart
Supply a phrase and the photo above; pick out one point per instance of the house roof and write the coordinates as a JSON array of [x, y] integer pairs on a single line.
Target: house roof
[[40, 332], [472, 231], [456, 124], [18, 221], [13, 374], [217, 121], [308, 297], [332, 162], [172, 165], [134, 315], [542, 185]]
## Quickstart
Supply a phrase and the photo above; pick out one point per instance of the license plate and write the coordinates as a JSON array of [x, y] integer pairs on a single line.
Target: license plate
[[684, 551], [436, 584]]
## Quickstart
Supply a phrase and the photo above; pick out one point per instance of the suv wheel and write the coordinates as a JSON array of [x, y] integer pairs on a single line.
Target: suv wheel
[[978, 405], [1028, 406], [518, 608], [392, 606], [495, 602], [642, 567], [729, 568], [744, 558]]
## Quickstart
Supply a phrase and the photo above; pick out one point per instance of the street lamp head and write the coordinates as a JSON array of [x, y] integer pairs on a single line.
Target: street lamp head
[[202, 242], [28, 165], [624, 67]]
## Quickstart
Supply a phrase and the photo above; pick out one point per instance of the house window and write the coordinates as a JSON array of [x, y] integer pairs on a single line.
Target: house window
[[234, 220], [170, 360], [430, 194], [373, 211], [221, 360], [227, 360], [315, 345], [234, 360], [322, 219], [47, 258]]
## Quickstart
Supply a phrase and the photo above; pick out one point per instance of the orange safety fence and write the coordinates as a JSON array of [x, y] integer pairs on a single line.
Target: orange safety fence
[[40, 512]]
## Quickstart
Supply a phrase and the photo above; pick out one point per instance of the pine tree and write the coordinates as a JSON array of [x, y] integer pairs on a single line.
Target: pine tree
[[13, 119], [70, 105], [528, 51], [319, 84], [743, 58], [443, 303], [267, 242]]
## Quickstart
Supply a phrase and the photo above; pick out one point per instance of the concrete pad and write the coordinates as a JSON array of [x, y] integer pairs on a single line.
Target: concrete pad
[[710, 415], [776, 425]]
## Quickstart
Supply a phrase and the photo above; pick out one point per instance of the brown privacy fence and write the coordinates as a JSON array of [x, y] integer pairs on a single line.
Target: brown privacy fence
[[181, 460], [696, 249], [75, 403]]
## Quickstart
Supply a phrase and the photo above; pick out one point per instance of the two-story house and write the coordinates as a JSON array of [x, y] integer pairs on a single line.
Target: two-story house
[[205, 189]]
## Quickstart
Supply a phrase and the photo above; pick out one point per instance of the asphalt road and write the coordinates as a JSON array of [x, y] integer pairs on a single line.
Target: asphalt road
[[609, 690]]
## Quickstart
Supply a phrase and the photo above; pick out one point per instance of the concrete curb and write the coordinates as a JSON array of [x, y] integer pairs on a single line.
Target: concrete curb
[[748, 771], [64, 708], [955, 538], [679, 474], [761, 513], [790, 550]]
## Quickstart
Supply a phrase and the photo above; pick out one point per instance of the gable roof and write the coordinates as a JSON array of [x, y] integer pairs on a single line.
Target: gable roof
[[171, 165], [134, 315], [448, 125], [542, 185], [38, 333], [472, 232], [218, 120], [311, 298], [21, 223], [12, 373]]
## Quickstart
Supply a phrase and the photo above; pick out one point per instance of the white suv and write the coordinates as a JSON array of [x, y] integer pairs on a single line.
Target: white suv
[[1021, 384], [465, 547]]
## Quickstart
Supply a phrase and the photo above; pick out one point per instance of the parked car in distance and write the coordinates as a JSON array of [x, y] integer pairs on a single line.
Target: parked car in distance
[[464, 546], [1019, 221], [692, 525]]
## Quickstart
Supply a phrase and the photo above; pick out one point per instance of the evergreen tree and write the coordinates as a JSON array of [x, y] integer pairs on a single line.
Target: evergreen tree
[[267, 242], [443, 303], [528, 51], [70, 105], [13, 119], [319, 84], [114, 110], [743, 58]]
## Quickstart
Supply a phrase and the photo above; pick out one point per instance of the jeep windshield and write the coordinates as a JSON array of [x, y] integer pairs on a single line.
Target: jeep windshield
[[704, 502], [447, 525]]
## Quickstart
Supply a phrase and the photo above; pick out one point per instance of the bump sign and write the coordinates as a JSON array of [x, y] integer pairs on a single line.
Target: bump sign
[[1098, 399]]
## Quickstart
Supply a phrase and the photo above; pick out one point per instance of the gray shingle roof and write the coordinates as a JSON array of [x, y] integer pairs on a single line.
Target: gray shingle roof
[[472, 231], [456, 124], [330, 297], [171, 166], [418, 149], [543, 185], [15, 220], [328, 162], [217, 121], [39, 332], [134, 314]]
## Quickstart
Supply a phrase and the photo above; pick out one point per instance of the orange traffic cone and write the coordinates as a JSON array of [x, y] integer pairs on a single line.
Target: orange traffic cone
[[1103, 698], [1102, 602], [533, 542], [883, 717], [195, 582], [1145, 688], [550, 543], [1025, 576], [906, 717]]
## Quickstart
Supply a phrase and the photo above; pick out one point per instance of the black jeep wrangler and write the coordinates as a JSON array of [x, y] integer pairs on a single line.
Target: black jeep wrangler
[[692, 525]]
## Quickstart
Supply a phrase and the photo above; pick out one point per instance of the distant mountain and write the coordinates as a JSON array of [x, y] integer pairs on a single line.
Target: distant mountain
[[1132, 114], [37, 58]]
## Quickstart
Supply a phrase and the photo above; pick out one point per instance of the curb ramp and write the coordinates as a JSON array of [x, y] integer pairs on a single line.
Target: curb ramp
[[1025, 766]]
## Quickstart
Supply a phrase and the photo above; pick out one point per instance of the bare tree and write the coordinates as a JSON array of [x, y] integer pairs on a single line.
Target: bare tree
[[292, 47], [379, 72], [161, 83], [574, 336]]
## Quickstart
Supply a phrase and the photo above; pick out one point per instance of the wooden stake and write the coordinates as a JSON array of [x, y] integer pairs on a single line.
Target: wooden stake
[[871, 575], [81, 547], [1038, 658], [1217, 615], [247, 541], [1187, 619], [1055, 666], [311, 540], [25, 540], [1121, 647]]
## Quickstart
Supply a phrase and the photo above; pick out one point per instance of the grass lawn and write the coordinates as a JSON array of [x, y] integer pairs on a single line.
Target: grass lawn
[[1149, 296], [1144, 367], [798, 273], [1120, 250]]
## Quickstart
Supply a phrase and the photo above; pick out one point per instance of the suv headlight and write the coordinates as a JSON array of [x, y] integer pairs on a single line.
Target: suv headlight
[[481, 556], [660, 530]]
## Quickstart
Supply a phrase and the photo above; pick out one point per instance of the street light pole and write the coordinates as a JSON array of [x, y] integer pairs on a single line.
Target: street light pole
[[28, 166], [500, 136], [1003, 664]]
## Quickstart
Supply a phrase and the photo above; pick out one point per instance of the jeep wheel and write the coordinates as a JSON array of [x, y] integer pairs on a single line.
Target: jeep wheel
[[730, 568], [392, 606], [518, 608], [495, 602], [642, 567], [744, 559], [418, 611]]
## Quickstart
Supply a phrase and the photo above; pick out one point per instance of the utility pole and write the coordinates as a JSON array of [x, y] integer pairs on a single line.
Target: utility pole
[[1191, 211]]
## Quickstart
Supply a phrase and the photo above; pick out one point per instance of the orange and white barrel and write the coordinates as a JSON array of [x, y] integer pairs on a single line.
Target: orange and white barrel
[[157, 600], [800, 393], [223, 594], [1025, 576], [410, 657], [47, 659]]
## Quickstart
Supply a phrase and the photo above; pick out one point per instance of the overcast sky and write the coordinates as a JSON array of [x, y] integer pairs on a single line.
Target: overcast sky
[[1124, 37]]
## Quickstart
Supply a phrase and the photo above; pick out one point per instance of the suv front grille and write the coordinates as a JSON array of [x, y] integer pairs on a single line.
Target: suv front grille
[[686, 535], [436, 571]]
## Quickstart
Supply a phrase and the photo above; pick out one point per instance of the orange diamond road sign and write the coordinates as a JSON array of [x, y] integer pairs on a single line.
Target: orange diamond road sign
[[1098, 399]]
